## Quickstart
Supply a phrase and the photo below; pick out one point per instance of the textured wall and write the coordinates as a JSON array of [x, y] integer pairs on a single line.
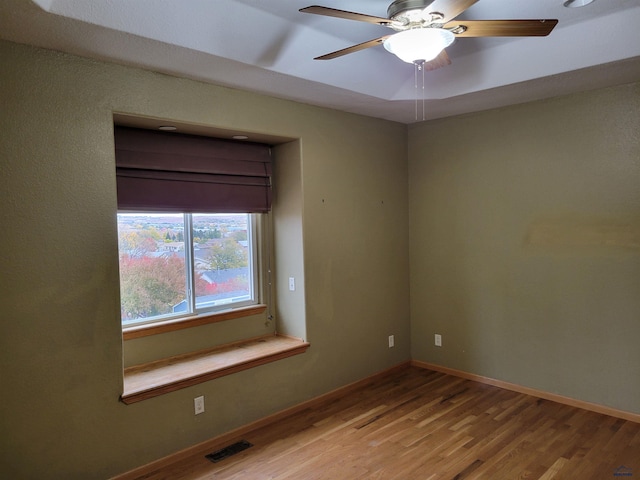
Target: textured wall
[[61, 348], [525, 244]]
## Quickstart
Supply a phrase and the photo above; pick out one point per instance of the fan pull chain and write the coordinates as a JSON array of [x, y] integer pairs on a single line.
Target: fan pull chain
[[415, 84], [419, 66], [423, 69]]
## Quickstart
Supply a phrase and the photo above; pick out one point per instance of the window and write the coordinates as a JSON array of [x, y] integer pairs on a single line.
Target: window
[[176, 259], [174, 265]]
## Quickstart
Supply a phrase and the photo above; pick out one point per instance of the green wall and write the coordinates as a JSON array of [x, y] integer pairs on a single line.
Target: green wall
[[525, 244], [519, 235], [61, 351]]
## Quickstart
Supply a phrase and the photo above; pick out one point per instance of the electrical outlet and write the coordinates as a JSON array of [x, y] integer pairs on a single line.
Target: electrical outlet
[[391, 341], [198, 405], [438, 340], [292, 284]]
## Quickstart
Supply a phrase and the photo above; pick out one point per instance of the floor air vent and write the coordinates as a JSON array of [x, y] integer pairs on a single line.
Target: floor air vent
[[228, 451]]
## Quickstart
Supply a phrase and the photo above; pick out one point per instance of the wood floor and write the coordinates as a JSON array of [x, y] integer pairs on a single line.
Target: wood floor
[[420, 424]]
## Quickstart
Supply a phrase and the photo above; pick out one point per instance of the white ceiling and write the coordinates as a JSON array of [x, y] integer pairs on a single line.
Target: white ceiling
[[268, 46]]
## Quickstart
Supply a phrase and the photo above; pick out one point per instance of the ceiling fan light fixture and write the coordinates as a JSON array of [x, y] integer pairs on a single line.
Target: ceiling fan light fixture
[[419, 45]]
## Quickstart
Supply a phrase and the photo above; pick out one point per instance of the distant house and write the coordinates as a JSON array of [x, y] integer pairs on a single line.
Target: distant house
[[202, 257], [170, 246], [213, 277], [221, 276]]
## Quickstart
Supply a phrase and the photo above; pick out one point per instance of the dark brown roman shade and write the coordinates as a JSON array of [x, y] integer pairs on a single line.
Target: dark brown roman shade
[[175, 172]]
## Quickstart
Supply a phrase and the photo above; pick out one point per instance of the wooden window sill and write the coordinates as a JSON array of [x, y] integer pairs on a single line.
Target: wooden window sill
[[168, 375]]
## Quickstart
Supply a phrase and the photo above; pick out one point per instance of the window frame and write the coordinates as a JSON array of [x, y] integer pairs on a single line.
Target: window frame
[[203, 315]]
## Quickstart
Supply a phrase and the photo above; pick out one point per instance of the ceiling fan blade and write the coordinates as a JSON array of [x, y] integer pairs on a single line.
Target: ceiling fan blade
[[503, 28], [354, 48], [449, 8], [333, 12], [442, 60]]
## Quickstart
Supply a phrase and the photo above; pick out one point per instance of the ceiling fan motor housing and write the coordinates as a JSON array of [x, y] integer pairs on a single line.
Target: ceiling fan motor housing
[[410, 13], [400, 6]]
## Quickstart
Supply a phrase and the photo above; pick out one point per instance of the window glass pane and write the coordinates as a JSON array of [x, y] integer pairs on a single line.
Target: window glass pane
[[222, 255], [152, 266]]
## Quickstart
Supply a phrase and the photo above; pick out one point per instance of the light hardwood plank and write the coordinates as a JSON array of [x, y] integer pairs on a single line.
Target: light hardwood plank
[[417, 423]]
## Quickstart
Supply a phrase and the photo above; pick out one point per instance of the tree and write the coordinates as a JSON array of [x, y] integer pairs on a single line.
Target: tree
[[239, 283], [150, 286], [240, 235], [136, 244], [202, 235], [228, 254]]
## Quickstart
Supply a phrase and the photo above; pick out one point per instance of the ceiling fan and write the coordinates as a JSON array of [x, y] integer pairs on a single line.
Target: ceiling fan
[[424, 28]]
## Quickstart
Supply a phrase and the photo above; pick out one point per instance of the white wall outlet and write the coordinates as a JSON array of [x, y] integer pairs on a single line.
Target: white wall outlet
[[438, 340], [292, 284], [198, 405], [392, 341]]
